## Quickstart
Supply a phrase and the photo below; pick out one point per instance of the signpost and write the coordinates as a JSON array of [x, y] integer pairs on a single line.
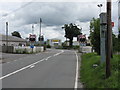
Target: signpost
[[81, 39], [112, 24], [32, 39]]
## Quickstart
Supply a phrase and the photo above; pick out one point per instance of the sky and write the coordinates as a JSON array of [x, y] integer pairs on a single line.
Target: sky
[[22, 14]]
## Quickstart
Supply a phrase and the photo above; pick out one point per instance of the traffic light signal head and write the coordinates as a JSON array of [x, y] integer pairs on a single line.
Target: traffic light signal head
[[32, 39], [41, 38]]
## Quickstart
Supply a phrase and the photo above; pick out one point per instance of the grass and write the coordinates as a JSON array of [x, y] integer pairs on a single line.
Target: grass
[[94, 77]]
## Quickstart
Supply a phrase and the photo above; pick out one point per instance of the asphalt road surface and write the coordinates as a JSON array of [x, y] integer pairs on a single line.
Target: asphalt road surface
[[51, 69], [7, 57]]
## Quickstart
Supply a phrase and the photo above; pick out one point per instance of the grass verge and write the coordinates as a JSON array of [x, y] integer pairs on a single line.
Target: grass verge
[[94, 76]]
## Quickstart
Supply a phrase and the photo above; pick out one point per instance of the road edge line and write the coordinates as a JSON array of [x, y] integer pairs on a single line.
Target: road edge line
[[76, 77]]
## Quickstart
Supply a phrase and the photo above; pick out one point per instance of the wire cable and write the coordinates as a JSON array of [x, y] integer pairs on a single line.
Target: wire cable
[[17, 9]]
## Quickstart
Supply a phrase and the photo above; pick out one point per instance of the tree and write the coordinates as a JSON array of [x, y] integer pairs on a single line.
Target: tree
[[119, 34], [95, 34], [95, 37], [71, 31], [16, 34], [118, 41]]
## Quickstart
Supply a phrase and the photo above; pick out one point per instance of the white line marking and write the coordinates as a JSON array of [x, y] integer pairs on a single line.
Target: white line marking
[[58, 53], [8, 62], [48, 58], [76, 78], [20, 69], [25, 68], [32, 66]]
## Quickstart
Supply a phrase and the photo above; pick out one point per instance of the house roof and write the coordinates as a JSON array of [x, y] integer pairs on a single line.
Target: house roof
[[11, 38]]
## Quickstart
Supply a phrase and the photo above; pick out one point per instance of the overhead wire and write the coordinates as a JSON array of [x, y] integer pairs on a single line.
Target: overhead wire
[[17, 9]]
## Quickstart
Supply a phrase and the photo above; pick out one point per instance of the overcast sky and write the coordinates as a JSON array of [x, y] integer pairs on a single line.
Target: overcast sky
[[21, 15]]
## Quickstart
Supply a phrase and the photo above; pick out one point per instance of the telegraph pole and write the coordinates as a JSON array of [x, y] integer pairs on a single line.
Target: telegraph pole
[[6, 36], [109, 39]]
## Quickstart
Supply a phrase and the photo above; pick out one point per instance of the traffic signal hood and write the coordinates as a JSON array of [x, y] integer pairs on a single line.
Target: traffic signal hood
[[32, 39]]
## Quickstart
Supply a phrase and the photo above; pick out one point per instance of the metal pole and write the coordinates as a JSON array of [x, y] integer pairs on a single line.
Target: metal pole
[[33, 29], [109, 39], [40, 31], [40, 26], [32, 43], [6, 36]]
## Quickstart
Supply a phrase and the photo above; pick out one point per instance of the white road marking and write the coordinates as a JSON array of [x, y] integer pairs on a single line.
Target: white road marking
[[20, 69], [29, 66], [48, 58], [58, 53], [76, 78], [32, 66], [8, 62]]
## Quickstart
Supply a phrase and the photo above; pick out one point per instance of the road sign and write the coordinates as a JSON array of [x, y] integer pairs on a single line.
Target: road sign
[[82, 38], [55, 40], [32, 37], [112, 24], [31, 46]]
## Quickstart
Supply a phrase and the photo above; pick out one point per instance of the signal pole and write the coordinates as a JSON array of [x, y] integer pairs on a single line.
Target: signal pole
[[6, 36], [109, 39], [40, 31], [32, 28], [40, 25]]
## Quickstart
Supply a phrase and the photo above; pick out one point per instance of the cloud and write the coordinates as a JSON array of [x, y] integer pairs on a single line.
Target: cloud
[[54, 15]]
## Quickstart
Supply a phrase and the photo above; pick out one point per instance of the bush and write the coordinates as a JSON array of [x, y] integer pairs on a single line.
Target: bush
[[76, 47], [66, 47], [48, 46], [21, 51]]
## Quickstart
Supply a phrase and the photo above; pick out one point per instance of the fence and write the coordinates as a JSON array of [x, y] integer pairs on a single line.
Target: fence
[[19, 49], [8, 49], [28, 49]]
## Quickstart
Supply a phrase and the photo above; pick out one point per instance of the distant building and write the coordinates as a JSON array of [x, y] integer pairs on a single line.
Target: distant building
[[12, 41], [75, 43], [54, 42]]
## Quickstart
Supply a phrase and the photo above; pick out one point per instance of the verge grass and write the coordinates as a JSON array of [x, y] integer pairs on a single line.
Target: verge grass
[[93, 72]]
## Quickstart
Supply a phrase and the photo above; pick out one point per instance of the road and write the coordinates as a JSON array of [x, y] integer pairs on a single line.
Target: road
[[51, 69], [6, 57]]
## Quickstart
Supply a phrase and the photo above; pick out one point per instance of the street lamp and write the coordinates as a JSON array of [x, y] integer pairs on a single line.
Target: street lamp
[[100, 5]]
